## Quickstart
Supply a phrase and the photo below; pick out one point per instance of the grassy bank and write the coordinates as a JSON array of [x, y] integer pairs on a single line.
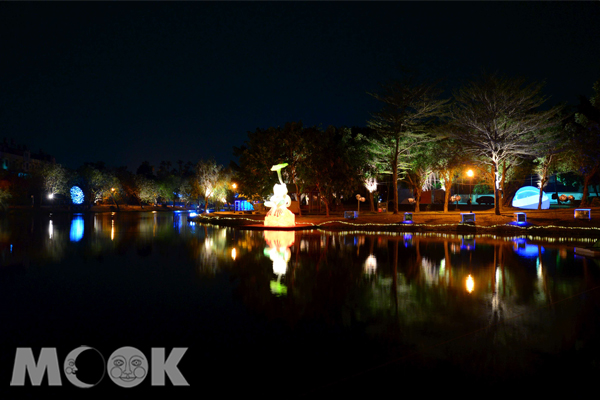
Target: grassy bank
[[543, 222]]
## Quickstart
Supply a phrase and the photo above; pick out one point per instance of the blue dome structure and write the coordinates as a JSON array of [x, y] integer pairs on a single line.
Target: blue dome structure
[[528, 197]]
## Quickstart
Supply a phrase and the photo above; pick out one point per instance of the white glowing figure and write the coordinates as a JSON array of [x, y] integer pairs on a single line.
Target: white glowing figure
[[279, 215], [528, 197], [279, 252]]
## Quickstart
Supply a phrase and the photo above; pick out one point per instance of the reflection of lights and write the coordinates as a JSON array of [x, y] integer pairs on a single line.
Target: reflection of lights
[[370, 265], [428, 268], [233, 253], [76, 228], [304, 245], [407, 240], [279, 252], [470, 284], [50, 230], [278, 288], [524, 249], [112, 230]]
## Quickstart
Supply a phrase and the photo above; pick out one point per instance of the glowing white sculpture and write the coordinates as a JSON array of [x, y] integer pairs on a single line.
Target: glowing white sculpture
[[528, 197], [279, 215]]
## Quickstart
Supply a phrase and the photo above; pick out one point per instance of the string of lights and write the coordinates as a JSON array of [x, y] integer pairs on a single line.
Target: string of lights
[[416, 225]]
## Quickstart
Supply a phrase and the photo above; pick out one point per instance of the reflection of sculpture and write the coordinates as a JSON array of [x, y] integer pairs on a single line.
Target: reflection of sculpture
[[279, 215], [279, 252]]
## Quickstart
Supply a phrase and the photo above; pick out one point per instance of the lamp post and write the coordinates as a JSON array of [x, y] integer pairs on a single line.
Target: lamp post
[[234, 186], [470, 175]]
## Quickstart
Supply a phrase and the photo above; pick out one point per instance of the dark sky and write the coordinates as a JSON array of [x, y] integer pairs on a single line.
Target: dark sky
[[128, 82]]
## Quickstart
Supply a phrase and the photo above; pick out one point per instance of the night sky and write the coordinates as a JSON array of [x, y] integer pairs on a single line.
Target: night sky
[[128, 82]]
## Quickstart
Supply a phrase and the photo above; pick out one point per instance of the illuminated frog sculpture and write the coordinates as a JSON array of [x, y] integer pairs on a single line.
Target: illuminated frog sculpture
[[279, 215]]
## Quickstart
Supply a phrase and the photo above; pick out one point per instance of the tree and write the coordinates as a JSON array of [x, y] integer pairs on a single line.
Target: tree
[[330, 166], [406, 121], [55, 178], [448, 164], [419, 174], [208, 175], [585, 139], [551, 151], [265, 148], [497, 118], [98, 181], [147, 189]]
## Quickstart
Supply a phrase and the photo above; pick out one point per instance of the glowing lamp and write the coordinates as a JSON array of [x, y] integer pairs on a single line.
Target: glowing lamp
[[520, 217], [408, 217], [528, 197], [583, 213], [467, 217], [350, 214]]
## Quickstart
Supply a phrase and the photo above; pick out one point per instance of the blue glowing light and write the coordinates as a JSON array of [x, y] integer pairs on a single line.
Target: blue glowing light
[[528, 197], [525, 249], [76, 195], [243, 205], [76, 228]]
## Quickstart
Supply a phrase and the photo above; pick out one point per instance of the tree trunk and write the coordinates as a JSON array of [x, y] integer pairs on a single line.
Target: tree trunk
[[496, 191], [298, 199], [586, 181], [417, 194], [371, 201], [326, 202], [542, 184], [395, 187]]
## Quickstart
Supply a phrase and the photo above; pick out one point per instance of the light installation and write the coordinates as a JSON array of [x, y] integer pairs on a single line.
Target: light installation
[[279, 215], [76, 195], [279, 243], [528, 197]]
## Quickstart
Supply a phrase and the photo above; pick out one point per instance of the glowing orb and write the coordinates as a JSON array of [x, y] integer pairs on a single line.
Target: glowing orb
[[76, 195], [528, 197]]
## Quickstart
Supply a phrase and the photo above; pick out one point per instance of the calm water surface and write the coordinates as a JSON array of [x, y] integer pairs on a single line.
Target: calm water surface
[[301, 312]]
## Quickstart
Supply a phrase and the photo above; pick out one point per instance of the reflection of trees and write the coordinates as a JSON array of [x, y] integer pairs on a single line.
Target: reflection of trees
[[416, 296]]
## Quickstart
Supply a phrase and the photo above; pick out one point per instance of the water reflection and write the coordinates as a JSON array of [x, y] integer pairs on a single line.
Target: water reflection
[[77, 226], [400, 291], [278, 251]]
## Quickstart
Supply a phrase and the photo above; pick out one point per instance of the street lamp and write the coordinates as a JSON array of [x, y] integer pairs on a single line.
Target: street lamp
[[470, 175]]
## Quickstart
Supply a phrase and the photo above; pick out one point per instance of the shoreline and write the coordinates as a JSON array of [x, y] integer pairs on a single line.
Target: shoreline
[[553, 222]]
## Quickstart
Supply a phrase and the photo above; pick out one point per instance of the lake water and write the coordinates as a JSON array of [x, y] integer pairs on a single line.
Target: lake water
[[308, 312]]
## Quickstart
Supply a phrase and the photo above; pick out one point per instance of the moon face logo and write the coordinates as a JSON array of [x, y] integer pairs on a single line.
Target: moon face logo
[[127, 367], [72, 371]]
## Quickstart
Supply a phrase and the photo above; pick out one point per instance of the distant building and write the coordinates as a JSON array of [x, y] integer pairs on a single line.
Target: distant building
[[18, 159]]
